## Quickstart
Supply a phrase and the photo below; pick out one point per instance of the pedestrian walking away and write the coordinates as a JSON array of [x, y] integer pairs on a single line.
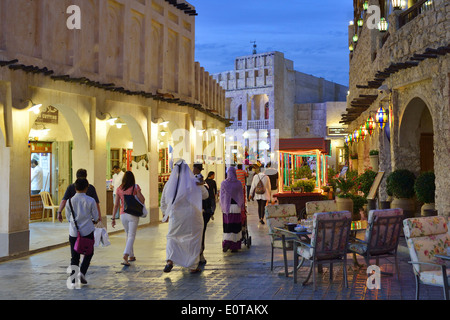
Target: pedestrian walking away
[[181, 204], [71, 191], [206, 204], [260, 191], [116, 183], [130, 222], [249, 180], [82, 214], [232, 201], [212, 188]]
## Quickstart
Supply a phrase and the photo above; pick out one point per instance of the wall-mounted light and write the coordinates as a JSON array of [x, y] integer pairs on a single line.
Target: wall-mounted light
[[366, 5], [370, 125], [397, 4], [163, 133], [351, 48], [120, 124], [360, 22], [36, 108], [383, 25], [110, 120], [355, 38], [381, 117]]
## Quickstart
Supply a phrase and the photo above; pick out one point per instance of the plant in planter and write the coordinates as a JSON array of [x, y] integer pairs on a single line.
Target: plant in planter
[[365, 181], [425, 189], [373, 157], [401, 184], [344, 198], [305, 185], [358, 204]]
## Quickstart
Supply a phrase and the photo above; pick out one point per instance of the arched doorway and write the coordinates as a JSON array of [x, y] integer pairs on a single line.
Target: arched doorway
[[416, 138], [60, 146]]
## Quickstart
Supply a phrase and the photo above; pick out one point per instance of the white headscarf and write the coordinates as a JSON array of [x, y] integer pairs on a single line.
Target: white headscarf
[[180, 188]]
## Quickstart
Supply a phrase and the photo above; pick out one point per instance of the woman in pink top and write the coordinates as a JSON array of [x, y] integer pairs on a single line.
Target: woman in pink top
[[130, 222]]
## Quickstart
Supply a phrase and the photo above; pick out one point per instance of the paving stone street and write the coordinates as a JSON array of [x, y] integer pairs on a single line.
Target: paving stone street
[[242, 276]]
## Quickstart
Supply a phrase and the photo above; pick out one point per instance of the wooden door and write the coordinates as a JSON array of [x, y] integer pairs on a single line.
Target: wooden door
[[426, 152]]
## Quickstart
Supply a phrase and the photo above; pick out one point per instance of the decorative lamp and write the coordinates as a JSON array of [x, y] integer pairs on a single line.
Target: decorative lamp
[[370, 125], [351, 48], [120, 124], [397, 4], [381, 117], [360, 22], [366, 5], [362, 132], [346, 140], [383, 25], [356, 136], [36, 108], [163, 133], [355, 38]]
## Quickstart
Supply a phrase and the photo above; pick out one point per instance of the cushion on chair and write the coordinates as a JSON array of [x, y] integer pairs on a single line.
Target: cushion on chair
[[320, 206], [318, 239], [380, 245], [358, 247], [426, 237], [433, 277], [278, 215]]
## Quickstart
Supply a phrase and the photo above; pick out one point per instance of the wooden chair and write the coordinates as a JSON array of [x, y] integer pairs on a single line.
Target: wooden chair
[[276, 217], [381, 238], [329, 239], [48, 205], [427, 237]]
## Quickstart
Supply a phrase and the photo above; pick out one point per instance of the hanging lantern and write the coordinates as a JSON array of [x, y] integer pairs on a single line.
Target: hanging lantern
[[370, 125], [381, 117], [351, 48], [355, 38], [346, 141], [360, 22], [383, 25], [397, 4], [356, 136], [362, 132], [350, 139], [366, 5]]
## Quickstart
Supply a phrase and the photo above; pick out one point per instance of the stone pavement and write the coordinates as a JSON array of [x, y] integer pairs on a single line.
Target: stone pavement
[[227, 276]]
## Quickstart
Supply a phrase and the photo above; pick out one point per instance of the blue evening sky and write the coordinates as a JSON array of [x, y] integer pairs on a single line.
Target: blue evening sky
[[312, 33]]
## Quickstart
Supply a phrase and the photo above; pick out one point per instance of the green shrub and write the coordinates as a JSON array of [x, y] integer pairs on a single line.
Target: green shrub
[[401, 183], [306, 185], [365, 181], [425, 187]]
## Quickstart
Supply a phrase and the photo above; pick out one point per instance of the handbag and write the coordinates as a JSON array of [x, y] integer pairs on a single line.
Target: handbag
[[82, 245], [132, 206]]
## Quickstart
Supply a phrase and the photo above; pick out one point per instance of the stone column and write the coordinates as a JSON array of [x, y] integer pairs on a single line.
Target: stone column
[[153, 157]]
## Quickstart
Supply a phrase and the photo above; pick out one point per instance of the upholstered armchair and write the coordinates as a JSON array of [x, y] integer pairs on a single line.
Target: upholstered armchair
[[320, 206], [381, 237], [329, 239], [427, 237], [276, 217]]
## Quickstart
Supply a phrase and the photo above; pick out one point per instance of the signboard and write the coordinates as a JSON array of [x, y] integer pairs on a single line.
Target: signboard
[[337, 131], [375, 186], [48, 116]]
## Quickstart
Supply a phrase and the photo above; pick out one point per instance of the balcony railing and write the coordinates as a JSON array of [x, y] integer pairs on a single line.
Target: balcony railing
[[251, 124], [415, 10]]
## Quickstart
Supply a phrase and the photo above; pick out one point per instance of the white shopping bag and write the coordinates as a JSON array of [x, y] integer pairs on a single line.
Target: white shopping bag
[[101, 235]]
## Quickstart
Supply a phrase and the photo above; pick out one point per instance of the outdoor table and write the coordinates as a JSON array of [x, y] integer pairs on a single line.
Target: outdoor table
[[304, 235]]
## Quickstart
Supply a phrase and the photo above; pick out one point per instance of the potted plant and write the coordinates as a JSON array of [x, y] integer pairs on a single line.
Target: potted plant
[[373, 157], [401, 184], [304, 185], [354, 158], [344, 198], [358, 205], [365, 182], [425, 188]]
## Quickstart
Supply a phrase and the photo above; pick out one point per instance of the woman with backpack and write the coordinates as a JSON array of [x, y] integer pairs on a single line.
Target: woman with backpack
[[260, 191]]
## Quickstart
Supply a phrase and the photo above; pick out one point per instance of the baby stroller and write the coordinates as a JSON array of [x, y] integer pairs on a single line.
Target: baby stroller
[[246, 239]]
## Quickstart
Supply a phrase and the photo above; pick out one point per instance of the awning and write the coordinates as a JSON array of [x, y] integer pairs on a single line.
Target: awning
[[304, 145]]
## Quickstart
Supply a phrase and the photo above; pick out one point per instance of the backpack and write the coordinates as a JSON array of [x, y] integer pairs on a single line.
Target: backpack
[[260, 189]]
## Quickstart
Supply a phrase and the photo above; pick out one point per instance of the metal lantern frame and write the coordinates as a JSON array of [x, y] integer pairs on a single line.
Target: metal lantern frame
[[381, 117], [366, 5], [397, 4], [370, 125], [383, 25]]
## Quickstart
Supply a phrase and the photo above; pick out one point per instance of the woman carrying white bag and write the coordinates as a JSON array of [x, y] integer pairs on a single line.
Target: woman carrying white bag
[[101, 235], [130, 222]]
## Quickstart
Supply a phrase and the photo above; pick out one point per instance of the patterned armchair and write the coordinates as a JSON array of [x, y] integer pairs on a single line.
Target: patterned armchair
[[329, 239], [276, 217], [427, 237], [382, 236], [320, 206]]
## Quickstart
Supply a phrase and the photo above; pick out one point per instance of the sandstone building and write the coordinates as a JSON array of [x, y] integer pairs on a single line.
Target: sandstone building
[[405, 69], [131, 60], [265, 92]]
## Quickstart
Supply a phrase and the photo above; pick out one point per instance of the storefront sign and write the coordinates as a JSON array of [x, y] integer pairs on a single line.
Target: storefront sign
[[48, 116], [337, 131]]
